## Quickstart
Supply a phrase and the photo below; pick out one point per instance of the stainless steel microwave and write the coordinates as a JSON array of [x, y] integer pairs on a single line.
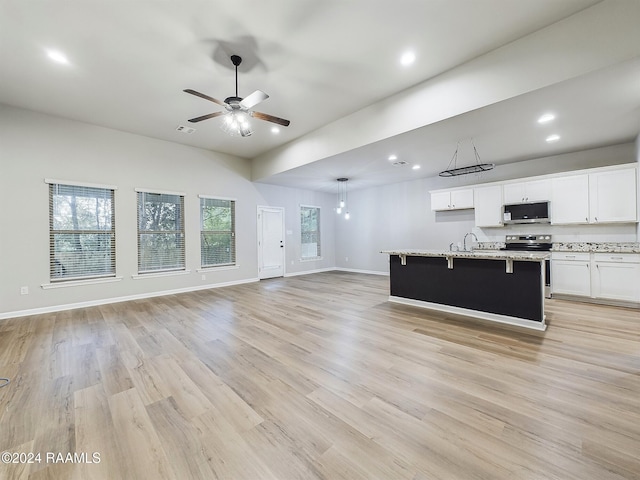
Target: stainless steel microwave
[[535, 212]]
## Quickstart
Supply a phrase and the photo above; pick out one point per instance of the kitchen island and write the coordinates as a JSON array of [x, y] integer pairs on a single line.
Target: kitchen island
[[500, 286]]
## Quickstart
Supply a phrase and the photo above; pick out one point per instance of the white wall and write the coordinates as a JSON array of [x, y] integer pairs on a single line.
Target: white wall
[[34, 146], [399, 215]]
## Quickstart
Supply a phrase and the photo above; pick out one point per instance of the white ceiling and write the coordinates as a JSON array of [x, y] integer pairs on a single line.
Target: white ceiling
[[318, 60]]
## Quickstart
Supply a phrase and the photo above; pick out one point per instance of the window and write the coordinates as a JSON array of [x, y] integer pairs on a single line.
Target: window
[[310, 231], [82, 242], [160, 232], [217, 231]]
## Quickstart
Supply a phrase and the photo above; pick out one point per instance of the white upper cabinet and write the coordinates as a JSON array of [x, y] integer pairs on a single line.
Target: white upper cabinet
[[612, 196], [488, 206], [525, 192], [452, 200], [601, 197], [590, 196], [440, 201], [570, 199]]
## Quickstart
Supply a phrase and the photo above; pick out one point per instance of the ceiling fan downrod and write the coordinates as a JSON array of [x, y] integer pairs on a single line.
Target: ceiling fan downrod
[[236, 60]]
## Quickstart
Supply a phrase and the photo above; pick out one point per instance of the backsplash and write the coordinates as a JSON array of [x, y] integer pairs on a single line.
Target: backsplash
[[489, 245]]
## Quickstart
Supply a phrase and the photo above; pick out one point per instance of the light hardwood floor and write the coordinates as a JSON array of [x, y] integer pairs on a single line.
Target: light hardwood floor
[[319, 377]]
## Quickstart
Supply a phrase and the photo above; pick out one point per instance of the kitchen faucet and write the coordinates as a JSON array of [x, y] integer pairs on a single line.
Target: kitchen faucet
[[464, 241]]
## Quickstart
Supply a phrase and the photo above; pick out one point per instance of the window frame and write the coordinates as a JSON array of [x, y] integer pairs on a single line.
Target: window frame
[[89, 277], [318, 232], [232, 232], [167, 269]]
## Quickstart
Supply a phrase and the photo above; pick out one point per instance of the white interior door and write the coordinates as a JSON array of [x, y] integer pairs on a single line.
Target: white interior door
[[270, 242]]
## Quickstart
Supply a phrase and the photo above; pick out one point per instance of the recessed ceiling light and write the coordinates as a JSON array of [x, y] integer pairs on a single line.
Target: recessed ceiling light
[[275, 130], [392, 158], [407, 58], [58, 57], [416, 167], [547, 117], [553, 138]]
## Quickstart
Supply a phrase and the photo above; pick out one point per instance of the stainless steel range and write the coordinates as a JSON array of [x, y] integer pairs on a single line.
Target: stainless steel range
[[533, 243]]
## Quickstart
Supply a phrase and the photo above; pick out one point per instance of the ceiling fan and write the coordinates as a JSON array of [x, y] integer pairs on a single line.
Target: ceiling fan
[[238, 110]]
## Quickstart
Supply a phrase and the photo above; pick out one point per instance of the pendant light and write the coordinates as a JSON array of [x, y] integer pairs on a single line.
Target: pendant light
[[342, 197]]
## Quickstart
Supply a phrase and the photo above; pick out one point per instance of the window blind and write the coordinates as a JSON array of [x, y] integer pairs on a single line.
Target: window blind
[[217, 232], [310, 231], [160, 232], [81, 232]]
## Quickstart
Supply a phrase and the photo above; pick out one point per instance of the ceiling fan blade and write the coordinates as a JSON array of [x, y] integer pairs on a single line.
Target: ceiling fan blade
[[206, 97], [271, 118], [254, 99], [206, 117]]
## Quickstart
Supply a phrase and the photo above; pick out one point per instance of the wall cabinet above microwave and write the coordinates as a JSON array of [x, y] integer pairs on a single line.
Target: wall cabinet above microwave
[[527, 192]]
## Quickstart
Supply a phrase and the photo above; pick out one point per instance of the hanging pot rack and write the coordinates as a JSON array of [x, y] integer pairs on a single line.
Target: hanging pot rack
[[476, 168]]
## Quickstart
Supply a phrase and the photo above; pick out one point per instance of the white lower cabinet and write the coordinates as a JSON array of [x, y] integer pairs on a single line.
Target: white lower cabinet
[[571, 273], [606, 276], [616, 276]]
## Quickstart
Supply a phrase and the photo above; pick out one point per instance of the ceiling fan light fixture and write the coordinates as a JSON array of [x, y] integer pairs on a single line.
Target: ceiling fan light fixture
[[236, 123]]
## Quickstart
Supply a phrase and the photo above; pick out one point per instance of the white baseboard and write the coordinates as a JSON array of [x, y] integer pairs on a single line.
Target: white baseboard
[[308, 272], [105, 301]]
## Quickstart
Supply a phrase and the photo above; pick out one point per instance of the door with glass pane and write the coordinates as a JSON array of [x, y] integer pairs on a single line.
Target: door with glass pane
[[270, 242]]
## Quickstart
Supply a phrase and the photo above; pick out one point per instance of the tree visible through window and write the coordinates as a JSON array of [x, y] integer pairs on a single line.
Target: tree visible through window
[[82, 232], [217, 232], [310, 231], [160, 232]]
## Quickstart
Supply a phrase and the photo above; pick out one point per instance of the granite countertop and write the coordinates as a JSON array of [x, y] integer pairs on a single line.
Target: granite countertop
[[486, 254], [597, 247]]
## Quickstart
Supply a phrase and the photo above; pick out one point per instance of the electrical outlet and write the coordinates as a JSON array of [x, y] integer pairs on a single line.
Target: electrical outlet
[[346, 259], [292, 262], [24, 290], [204, 277]]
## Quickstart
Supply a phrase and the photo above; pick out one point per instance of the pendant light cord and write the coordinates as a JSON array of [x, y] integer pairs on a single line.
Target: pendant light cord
[[5, 380]]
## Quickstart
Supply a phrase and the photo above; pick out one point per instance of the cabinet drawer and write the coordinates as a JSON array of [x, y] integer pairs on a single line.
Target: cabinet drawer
[[577, 256], [617, 257]]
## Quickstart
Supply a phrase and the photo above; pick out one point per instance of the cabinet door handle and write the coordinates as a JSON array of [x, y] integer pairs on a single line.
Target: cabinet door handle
[[596, 219], [617, 258], [571, 256]]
